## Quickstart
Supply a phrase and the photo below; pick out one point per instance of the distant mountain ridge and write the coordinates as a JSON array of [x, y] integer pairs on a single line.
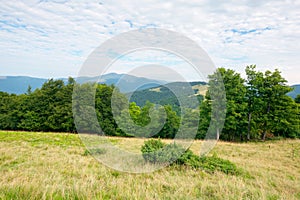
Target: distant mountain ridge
[[126, 83], [295, 92], [19, 84]]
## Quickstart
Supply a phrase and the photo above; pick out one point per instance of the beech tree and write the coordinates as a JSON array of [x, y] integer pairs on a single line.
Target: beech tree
[[270, 110], [254, 81]]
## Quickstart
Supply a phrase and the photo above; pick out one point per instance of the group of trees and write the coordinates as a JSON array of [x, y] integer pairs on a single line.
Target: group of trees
[[255, 108], [54, 105], [45, 109]]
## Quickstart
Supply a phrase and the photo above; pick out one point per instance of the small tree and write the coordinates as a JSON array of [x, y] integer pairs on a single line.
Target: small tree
[[297, 99]]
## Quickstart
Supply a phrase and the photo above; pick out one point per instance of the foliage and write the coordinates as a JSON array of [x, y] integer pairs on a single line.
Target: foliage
[[155, 151], [270, 110], [164, 95], [215, 163], [234, 124], [94, 151], [255, 108], [150, 150], [297, 99]]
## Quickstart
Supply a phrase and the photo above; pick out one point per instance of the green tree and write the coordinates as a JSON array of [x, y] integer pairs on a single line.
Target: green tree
[[62, 117], [9, 110], [83, 107], [235, 120], [213, 108], [270, 110], [285, 118], [171, 125], [272, 93], [297, 99], [254, 82], [297, 123], [236, 115], [103, 105], [48, 108], [29, 90]]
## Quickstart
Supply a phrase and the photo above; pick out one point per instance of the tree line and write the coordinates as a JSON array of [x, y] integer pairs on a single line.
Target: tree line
[[256, 108]]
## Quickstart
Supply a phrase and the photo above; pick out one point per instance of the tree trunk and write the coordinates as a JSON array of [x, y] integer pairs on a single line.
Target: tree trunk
[[218, 133], [265, 131], [249, 126], [264, 136]]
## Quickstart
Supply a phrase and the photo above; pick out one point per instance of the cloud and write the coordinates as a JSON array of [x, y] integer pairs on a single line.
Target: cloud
[[54, 37]]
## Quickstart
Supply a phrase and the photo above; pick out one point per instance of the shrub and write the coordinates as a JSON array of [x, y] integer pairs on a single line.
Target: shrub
[[150, 150], [214, 163], [94, 152], [170, 153], [155, 151]]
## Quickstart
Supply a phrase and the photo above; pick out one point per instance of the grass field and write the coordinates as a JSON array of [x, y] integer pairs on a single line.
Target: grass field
[[56, 166]]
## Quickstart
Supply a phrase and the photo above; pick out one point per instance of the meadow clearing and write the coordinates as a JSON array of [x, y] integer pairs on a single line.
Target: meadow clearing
[[36, 165]]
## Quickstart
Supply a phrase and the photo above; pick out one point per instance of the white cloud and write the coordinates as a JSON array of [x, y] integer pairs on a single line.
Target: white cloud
[[54, 37]]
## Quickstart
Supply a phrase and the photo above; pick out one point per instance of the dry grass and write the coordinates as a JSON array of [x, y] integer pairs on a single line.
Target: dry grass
[[54, 166], [202, 89]]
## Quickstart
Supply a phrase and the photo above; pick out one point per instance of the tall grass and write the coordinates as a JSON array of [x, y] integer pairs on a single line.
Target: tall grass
[[56, 166]]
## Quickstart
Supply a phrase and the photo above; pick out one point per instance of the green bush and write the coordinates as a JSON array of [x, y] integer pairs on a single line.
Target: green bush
[[214, 163], [96, 151], [189, 159], [150, 150], [155, 151], [170, 153]]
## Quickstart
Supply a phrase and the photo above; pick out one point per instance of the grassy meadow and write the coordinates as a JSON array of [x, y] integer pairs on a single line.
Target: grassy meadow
[[56, 166]]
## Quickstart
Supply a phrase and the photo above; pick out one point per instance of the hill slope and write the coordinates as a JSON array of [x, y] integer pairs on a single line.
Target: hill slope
[[170, 93]]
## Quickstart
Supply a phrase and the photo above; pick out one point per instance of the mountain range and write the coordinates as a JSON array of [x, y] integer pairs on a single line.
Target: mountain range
[[126, 83], [157, 89]]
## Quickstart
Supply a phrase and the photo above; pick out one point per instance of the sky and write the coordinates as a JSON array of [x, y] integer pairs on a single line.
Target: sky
[[53, 38]]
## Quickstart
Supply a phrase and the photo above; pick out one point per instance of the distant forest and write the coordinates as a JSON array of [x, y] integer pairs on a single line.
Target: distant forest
[[256, 108]]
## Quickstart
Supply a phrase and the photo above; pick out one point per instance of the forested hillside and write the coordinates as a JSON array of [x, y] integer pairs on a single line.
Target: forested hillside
[[257, 108], [164, 94]]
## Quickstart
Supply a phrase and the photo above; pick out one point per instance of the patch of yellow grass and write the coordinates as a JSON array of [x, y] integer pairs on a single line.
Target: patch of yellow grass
[[155, 89], [202, 89]]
